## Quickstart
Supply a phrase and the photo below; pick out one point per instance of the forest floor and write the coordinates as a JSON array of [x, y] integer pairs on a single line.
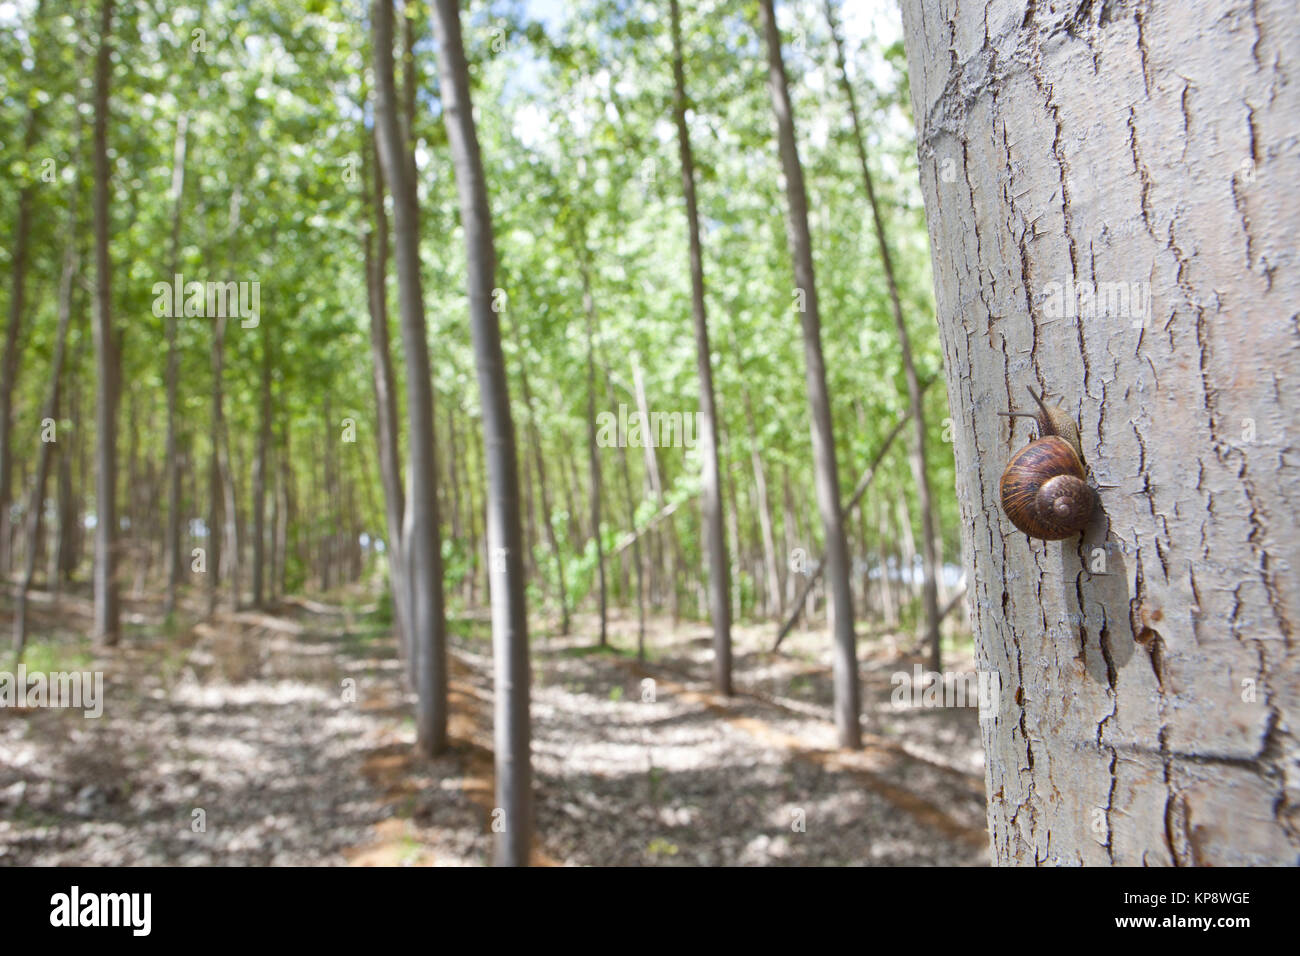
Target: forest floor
[[244, 741]]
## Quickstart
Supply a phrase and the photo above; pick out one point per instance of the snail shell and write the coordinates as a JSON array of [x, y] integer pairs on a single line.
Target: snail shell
[[1044, 488]]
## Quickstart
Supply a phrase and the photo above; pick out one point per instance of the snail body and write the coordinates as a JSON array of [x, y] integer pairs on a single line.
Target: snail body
[[1044, 489]]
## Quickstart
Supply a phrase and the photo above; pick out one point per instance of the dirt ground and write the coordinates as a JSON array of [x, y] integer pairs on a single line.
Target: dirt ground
[[286, 739]]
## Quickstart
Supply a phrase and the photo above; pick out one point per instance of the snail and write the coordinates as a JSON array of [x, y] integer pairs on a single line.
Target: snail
[[1044, 490]]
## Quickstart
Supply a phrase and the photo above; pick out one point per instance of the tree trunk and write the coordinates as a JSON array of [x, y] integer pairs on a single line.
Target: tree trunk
[[286, 511], [260, 479], [171, 463], [216, 499], [771, 568], [509, 614], [845, 662], [421, 535], [626, 471], [1148, 668], [710, 492], [593, 453], [814, 573], [539, 465], [225, 472], [272, 535], [9, 365], [386, 432], [106, 359], [920, 472], [36, 504], [671, 553], [453, 473], [13, 331]]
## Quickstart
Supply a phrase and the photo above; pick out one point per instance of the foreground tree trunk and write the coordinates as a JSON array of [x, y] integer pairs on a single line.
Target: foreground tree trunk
[[844, 660], [422, 542], [710, 495], [1111, 208], [504, 534], [106, 359]]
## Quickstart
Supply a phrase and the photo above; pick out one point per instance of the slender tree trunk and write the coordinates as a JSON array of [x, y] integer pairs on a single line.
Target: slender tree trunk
[[273, 524], [888, 601], [845, 663], [530, 519], [653, 475], [733, 543], [386, 434], [568, 472], [626, 471], [216, 497], [224, 460], [540, 467], [13, 331], [453, 472], [171, 463], [422, 536], [473, 543], [64, 545], [259, 477], [813, 574], [1150, 683], [509, 614], [329, 498], [106, 359], [9, 365], [36, 504], [711, 495], [771, 567], [593, 454], [920, 471], [286, 491]]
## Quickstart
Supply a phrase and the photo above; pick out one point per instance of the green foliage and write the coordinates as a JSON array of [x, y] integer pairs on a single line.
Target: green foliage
[[582, 168]]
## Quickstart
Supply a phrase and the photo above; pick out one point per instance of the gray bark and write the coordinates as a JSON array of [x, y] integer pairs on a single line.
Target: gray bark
[[844, 660], [260, 465], [1149, 667], [710, 494], [386, 431], [593, 453], [505, 538], [107, 360], [171, 463], [421, 535], [920, 467]]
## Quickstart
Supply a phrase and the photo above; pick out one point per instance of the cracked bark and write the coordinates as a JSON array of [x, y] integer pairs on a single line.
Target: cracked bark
[[1149, 668]]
